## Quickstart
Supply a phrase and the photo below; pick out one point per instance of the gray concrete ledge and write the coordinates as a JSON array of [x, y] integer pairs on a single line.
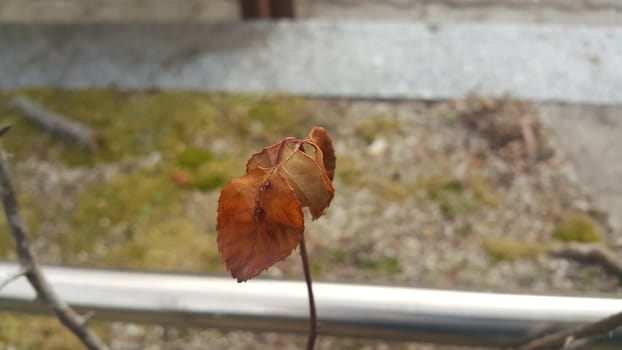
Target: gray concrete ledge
[[584, 12], [323, 58]]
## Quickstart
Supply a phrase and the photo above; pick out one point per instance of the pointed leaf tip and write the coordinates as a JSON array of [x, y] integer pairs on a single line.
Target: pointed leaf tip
[[320, 137]]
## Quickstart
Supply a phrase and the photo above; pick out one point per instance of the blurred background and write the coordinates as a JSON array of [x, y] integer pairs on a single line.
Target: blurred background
[[473, 137]]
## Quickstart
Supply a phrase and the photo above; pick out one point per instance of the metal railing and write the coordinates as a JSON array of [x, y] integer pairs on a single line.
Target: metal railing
[[395, 313]]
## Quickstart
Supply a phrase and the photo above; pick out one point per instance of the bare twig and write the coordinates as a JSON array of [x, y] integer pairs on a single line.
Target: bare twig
[[28, 261], [592, 254], [576, 344], [4, 129], [84, 319], [312, 312], [565, 338], [526, 124], [581, 336], [12, 277], [57, 124]]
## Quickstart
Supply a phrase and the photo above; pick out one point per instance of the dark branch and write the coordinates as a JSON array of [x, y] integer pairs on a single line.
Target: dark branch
[[57, 124], [566, 338], [28, 261], [592, 254]]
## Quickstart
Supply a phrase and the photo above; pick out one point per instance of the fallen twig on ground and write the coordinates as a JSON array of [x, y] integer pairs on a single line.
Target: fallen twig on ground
[[30, 267], [581, 336], [564, 339], [592, 254], [57, 124], [531, 146]]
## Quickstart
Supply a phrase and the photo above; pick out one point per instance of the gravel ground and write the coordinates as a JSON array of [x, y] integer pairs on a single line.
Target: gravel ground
[[489, 188], [458, 195]]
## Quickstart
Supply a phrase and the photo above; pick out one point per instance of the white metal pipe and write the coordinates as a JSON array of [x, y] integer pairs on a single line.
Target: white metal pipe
[[396, 313]]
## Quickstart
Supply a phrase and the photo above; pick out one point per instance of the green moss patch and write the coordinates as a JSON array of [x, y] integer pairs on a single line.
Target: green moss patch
[[377, 126], [138, 217], [349, 171], [28, 332], [272, 121], [137, 123], [504, 248], [213, 175], [455, 197], [194, 157], [436, 187], [577, 228], [386, 266]]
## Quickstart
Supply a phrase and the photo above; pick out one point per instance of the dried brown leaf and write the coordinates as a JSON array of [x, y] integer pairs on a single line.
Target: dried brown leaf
[[259, 222], [320, 137], [260, 219]]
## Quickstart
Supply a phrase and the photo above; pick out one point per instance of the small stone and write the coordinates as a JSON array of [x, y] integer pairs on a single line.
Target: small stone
[[377, 147]]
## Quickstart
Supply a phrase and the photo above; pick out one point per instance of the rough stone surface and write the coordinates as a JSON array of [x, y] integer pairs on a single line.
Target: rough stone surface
[[592, 136]]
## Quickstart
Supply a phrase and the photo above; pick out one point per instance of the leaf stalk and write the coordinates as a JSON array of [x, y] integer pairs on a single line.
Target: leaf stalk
[[312, 312]]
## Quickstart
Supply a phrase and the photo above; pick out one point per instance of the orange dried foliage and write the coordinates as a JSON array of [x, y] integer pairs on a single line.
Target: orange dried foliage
[[320, 137], [260, 219], [181, 179]]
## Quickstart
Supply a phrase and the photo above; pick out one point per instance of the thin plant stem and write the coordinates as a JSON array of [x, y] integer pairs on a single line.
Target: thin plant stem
[[312, 313], [30, 266]]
